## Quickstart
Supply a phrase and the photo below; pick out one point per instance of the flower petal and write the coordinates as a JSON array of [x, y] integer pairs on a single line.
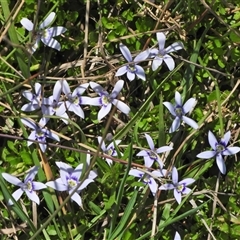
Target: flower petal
[[98, 89], [76, 198], [47, 21], [226, 138], [148, 162], [95, 101], [164, 149], [77, 171], [167, 186], [177, 195], [150, 141], [140, 72], [174, 175], [136, 173], [52, 43], [231, 150], [121, 71], [142, 153], [161, 38], [29, 123], [206, 154], [175, 125], [65, 87], [55, 31], [153, 186], [156, 63], [103, 146], [187, 181], [174, 47], [130, 76], [31, 174], [117, 88], [38, 186], [190, 122], [170, 107], [169, 62], [177, 236], [189, 104], [33, 196], [121, 106], [178, 99], [65, 171], [43, 147], [27, 24], [16, 195], [104, 111], [12, 179], [57, 185], [221, 164], [142, 56], [125, 52], [77, 110], [85, 184], [212, 140]]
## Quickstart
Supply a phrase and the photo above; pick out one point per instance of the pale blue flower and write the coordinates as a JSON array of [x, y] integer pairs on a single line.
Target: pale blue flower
[[109, 150], [75, 98], [132, 69], [219, 149], [179, 111], [179, 188], [52, 105], [106, 100], [148, 179], [39, 134], [44, 33], [152, 155], [70, 179], [161, 54], [28, 186], [33, 98]]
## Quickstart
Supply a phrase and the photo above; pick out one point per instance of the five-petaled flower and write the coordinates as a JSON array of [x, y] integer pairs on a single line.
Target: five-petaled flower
[[39, 134], [152, 155], [70, 179], [52, 105], [219, 149], [161, 54], [28, 186], [106, 100], [132, 68], [179, 111], [75, 99], [149, 178], [44, 33], [109, 150], [34, 98], [179, 187]]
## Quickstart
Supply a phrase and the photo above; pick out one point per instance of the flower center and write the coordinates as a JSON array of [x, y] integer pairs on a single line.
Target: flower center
[[46, 34], [40, 135], [152, 155], [28, 186], [220, 147], [110, 151], [105, 100], [180, 188], [146, 179], [179, 111], [72, 182], [132, 68]]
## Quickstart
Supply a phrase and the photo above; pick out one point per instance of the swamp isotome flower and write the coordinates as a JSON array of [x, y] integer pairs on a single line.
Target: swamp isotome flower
[[106, 100], [148, 179], [34, 98], [152, 155], [132, 68], [69, 180], [219, 149], [52, 105], [161, 54], [179, 111], [39, 134], [75, 99], [179, 187], [28, 186], [109, 150], [43, 33]]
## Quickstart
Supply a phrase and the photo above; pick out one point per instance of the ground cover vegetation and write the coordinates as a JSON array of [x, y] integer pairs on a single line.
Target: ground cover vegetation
[[119, 119]]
